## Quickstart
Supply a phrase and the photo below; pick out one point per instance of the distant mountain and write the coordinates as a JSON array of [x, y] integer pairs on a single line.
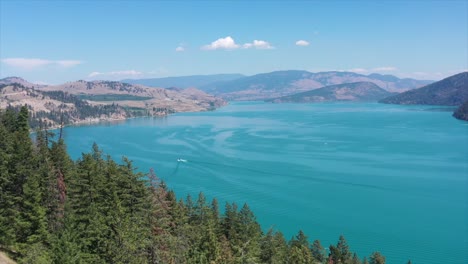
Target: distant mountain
[[462, 112], [281, 83], [396, 84], [449, 91], [184, 81], [357, 91], [19, 80], [260, 86]]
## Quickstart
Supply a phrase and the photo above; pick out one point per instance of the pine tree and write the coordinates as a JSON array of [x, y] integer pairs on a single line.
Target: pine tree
[[377, 258], [365, 261], [31, 221], [355, 259], [63, 171], [249, 233], [318, 252], [215, 217], [341, 252], [66, 247], [7, 213], [299, 251], [8, 200], [200, 210], [300, 240], [274, 248], [163, 246], [51, 186]]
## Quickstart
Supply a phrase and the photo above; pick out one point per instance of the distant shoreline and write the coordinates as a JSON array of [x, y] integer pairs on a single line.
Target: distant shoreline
[[93, 121]]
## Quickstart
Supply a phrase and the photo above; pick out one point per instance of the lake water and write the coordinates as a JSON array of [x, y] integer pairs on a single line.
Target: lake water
[[389, 178]]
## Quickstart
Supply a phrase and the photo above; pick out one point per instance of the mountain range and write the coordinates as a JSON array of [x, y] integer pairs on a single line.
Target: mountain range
[[357, 91], [280, 83], [184, 81]]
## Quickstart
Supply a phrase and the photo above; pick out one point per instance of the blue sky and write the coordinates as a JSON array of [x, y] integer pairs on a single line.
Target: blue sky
[[59, 41]]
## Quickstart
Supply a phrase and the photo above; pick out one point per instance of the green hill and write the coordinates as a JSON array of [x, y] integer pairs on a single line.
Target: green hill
[[358, 91], [449, 91]]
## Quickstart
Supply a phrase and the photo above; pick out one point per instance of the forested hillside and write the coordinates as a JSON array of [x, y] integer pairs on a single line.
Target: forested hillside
[[97, 210], [452, 90], [358, 91], [462, 112]]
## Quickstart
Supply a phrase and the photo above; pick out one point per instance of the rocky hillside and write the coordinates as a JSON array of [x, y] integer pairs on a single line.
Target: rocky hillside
[[83, 101], [449, 91], [358, 91], [50, 109], [140, 96], [282, 83]]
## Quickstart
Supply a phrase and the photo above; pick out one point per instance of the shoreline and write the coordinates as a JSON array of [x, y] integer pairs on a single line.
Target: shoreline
[[93, 121]]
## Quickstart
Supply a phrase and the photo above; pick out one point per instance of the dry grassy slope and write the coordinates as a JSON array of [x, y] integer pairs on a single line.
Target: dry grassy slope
[[180, 101], [160, 102], [23, 82], [102, 87], [16, 95]]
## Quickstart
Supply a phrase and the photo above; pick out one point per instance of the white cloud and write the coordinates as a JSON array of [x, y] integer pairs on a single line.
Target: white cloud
[[33, 63], [247, 45], [358, 70], [180, 49], [226, 43], [258, 44], [302, 43], [94, 74], [377, 69], [25, 63], [115, 74], [68, 63], [384, 69]]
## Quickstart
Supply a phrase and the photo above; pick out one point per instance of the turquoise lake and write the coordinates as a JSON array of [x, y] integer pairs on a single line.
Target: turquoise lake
[[389, 178]]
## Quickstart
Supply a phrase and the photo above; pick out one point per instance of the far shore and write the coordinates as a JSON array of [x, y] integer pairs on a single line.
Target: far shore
[[92, 121]]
